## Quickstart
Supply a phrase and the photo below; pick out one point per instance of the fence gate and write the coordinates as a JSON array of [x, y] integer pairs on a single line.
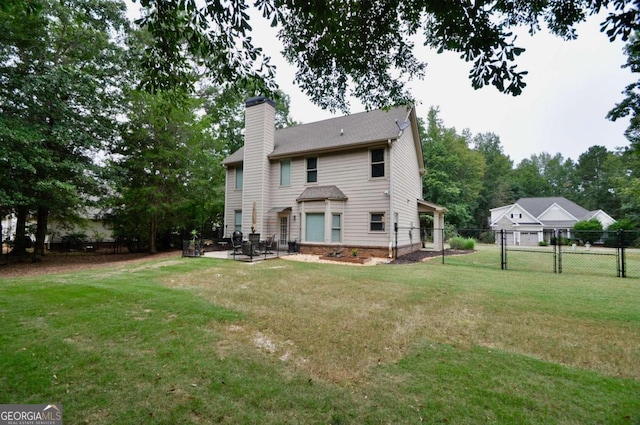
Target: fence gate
[[585, 252]]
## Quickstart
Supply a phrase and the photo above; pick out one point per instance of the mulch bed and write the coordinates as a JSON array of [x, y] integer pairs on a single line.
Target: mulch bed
[[354, 260], [74, 261]]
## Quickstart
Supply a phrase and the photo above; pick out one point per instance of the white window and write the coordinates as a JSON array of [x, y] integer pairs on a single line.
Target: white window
[[377, 162], [314, 225], [239, 178], [285, 172], [336, 228], [376, 222], [237, 220], [312, 169]]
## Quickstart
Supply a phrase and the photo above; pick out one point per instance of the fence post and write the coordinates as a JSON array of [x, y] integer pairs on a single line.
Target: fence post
[[503, 250], [442, 244], [623, 262], [555, 250], [559, 243]]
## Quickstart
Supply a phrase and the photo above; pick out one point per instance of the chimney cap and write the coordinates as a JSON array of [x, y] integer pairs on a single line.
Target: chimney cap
[[258, 100]]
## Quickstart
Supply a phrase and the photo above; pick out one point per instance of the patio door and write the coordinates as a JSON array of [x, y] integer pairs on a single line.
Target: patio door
[[284, 230]]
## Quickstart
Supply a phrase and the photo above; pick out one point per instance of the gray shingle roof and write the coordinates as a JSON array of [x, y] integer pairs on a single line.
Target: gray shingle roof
[[320, 193], [335, 133], [537, 206]]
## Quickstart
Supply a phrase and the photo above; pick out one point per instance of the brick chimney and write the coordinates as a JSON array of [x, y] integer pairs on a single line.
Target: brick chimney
[[259, 129]]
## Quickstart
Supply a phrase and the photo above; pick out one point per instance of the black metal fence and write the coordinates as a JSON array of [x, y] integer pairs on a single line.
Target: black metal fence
[[595, 253], [90, 245], [568, 251]]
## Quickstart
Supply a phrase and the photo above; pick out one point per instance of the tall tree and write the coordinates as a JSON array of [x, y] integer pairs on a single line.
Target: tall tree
[[454, 175], [626, 184], [60, 79], [340, 52], [595, 170], [630, 105], [535, 177], [497, 180], [152, 162], [560, 174]]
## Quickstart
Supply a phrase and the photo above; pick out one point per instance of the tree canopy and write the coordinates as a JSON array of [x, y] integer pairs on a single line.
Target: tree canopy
[[59, 94], [360, 48]]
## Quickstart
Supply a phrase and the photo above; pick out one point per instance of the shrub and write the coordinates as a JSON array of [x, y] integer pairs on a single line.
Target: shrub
[[543, 243], [450, 231], [487, 237], [588, 230], [612, 237], [466, 244]]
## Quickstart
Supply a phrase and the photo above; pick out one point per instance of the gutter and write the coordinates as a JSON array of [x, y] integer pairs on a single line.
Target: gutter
[[390, 191]]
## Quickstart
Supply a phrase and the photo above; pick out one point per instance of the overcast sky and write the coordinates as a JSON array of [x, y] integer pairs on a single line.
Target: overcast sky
[[570, 88]]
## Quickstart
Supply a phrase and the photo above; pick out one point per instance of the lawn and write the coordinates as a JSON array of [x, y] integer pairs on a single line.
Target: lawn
[[203, 341]]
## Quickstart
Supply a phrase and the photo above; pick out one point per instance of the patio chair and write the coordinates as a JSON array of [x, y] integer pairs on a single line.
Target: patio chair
[[270, 244]]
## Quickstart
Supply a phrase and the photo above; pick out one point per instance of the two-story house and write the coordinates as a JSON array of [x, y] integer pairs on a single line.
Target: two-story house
[[352, 182]]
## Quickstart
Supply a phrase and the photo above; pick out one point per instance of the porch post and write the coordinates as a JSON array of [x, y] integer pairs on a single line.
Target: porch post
[[438, 226]]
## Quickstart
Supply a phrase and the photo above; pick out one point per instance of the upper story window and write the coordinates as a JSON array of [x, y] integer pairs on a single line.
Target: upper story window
[[285, 172], [377, 162], [239, 178], [312, 169], [376, 222]]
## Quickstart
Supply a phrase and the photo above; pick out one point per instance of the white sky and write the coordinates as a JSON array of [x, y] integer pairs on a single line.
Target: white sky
[[571, 86]]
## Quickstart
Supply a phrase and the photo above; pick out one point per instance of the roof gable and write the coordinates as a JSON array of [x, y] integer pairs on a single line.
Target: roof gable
[[556, 213], [508, 212], [539, 206]]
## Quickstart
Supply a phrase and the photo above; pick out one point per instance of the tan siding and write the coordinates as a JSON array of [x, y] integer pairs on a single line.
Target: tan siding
[[350, 172], [407, 187], [259, 136], [233, 201]]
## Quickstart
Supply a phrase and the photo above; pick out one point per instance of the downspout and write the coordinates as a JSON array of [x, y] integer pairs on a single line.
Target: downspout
[[391, 192], [225, 223]]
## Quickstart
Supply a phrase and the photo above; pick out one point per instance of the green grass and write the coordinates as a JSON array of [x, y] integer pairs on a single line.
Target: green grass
[[201, 341]]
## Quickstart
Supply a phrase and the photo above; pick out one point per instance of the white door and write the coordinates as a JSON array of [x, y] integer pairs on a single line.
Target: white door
[[284, 230]]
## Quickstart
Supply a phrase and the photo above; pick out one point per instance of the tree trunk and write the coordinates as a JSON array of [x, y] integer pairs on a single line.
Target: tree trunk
[[20, 241], [41, 232], [152, 234], [1, 237]]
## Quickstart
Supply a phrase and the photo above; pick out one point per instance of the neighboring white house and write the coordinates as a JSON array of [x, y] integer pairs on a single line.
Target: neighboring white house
[[90, 223], [342, 183], [533, 220], [8, 227]]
